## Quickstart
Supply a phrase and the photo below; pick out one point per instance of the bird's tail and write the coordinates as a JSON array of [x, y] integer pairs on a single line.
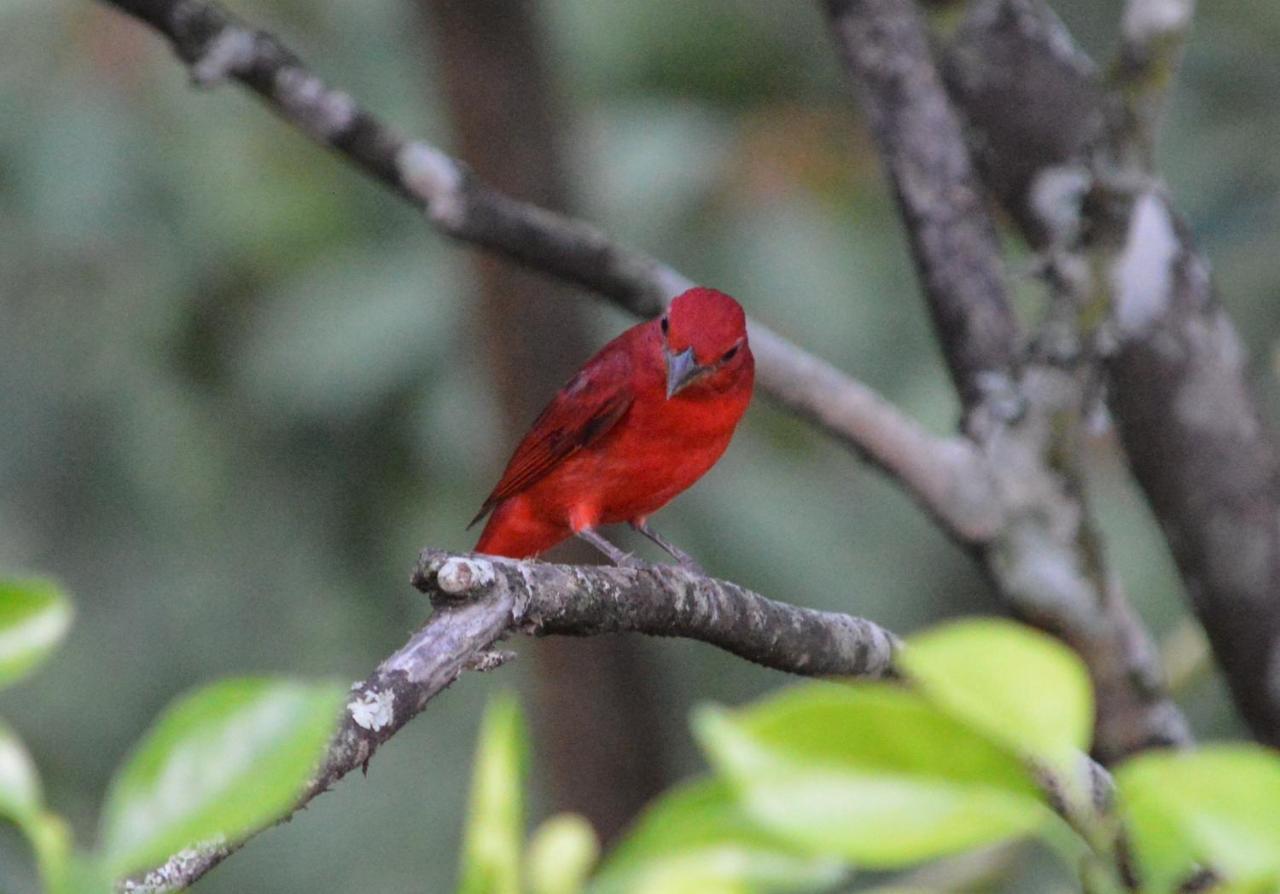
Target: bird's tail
[[514, 532]]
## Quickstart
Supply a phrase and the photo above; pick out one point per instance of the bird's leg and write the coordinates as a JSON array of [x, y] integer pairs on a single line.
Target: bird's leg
[[686, 561], [617, 556]]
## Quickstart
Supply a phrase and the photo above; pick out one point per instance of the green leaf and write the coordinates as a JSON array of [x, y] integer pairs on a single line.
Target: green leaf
[[50, 838], [20, 798], [1017, 685], [223, 761], [34, 616], [871, 772], [561, 854], [82, 875], [1218, 806], [698, 837], [495, 828]]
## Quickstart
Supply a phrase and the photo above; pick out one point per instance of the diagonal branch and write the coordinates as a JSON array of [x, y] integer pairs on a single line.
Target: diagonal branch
[[480, 600], [1024, 414], [944, 475]]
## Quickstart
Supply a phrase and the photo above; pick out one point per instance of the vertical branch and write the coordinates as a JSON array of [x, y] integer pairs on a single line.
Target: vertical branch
[[1044, 561], [1178, 386], [506, 119], [884, 46], [1153, 35]]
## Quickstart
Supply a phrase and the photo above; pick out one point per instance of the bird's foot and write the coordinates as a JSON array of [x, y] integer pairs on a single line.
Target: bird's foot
[[683, 559], [616, 556]]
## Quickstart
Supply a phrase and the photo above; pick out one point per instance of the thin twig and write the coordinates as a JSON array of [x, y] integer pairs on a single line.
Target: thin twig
[[1153, 34]]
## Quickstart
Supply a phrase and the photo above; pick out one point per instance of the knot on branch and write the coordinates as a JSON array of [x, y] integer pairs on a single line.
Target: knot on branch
[[449, 578]]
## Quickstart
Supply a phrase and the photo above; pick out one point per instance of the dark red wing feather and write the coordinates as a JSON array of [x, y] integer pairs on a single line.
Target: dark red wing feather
[[587, 407]]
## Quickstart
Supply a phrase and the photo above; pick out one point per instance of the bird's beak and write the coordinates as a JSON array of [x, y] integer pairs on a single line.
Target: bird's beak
[[682, 369]]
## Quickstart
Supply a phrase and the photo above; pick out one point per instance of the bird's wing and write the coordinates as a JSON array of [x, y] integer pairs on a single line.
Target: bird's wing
[[581, 413]]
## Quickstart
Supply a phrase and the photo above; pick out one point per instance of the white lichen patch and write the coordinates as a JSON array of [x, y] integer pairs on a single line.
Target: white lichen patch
[[458, 576], [177, 871], [434, 178], [232, 51], [1211, 397], [1056, 195], [1148, 20], [373, 710], [323, 112], [1142, 276], [1047, 579]]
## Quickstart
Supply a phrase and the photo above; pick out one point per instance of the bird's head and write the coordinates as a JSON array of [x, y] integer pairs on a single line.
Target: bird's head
[[704, 341]]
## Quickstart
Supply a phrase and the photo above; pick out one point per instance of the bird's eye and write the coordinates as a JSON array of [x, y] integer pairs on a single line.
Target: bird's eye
[[728, 355], [665, 325]]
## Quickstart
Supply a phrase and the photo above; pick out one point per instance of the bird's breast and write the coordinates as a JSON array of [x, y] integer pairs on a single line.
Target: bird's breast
[[660, 449]]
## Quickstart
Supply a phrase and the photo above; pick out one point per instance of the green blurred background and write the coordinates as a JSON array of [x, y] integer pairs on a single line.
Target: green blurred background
[[240, 385]]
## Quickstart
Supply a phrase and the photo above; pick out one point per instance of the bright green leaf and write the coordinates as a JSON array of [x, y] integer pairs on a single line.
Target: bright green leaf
[[697, 837], [873, 772], [495, 828], [20, 798], [50, 838], [1218, 806], [1269, 884], [225, 760], [561, 854], [1017, 685], [1265, 885], [34, 616], [82, 876]]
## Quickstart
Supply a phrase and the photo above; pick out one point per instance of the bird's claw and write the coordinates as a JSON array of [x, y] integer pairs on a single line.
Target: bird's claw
[[692, 567], [630, 560]]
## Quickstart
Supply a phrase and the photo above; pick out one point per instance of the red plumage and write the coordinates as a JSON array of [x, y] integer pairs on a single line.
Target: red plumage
[[615, 445]]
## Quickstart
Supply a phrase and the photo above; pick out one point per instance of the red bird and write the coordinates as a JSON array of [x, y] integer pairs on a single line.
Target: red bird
[[645, 418]]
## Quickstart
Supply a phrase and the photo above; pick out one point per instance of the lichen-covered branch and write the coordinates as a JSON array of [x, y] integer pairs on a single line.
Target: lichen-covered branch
[[1153, 34], [480, 600], [885, 48], [944, 475], [1177, 387], [1024, 413]]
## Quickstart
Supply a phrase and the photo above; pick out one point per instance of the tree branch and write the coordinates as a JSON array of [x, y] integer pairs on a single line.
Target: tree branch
[[944, 475], [1153, 35], [479, 600], [885, 48], [1025, 415], [1178, 387]]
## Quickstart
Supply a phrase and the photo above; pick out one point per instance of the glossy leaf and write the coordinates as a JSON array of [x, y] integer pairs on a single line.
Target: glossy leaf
[[495, 827], [1217, 806], [34, 616], [223, 761], [562, 852], [873, 773], [699, 837], [1017, 685]]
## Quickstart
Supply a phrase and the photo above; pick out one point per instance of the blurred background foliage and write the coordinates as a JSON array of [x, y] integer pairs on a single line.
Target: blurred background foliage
[[240, 385]]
